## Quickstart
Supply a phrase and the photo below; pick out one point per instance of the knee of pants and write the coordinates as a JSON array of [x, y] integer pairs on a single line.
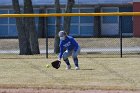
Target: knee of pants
[[74, 56], [65, 57]]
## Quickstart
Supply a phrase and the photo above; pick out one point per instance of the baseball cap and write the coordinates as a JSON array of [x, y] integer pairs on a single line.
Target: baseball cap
[[62, 33]]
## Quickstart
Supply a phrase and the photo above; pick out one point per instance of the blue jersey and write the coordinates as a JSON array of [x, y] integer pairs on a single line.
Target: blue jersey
[[69, 44]]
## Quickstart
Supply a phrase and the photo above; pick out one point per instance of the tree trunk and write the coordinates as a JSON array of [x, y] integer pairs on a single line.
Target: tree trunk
[[24, 44], [58, 22], [30, 27], [67, 20]]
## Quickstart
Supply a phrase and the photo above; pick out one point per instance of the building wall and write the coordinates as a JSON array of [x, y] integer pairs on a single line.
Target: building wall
[[46, 2], [7, 25], [127, 21], [80, 26], [136, 19]]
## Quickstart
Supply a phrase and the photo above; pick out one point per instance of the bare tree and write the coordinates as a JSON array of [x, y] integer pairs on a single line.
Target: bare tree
[[67, 20], [30, 27], [24, 43], [58, 22], [66, 24]]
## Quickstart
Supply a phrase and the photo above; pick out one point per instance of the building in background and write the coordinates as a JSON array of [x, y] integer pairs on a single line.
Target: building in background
[[136, 19], [80, 26]]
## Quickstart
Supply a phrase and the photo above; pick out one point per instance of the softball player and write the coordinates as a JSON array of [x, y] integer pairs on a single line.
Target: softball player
[[71, 48]]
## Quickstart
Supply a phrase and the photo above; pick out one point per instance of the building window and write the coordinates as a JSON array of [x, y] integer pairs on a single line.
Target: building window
[[86, 23], [4, 24], [78, 24], [75, 30], [3, 30], [110, 19]]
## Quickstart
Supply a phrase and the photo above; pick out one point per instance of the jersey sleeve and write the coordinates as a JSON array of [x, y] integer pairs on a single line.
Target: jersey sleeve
[[74, 43]]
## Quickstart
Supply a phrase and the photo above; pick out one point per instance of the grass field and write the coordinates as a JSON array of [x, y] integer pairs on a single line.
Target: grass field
[[96, 73]]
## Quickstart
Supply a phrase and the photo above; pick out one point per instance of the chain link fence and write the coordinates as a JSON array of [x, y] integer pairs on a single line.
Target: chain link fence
[[90, 47], [105, 47], [97, 36]]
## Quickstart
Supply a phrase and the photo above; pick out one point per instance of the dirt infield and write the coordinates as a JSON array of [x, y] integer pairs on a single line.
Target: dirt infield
[[62, 91]]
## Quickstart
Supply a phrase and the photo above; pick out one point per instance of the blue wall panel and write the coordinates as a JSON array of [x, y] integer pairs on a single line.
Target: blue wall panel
[[74, 30], [3, 30], [51, 30], [12, 30], [86, 31], [109, 19], [3, 20], [75, 19], [127, 22], [86, 23]]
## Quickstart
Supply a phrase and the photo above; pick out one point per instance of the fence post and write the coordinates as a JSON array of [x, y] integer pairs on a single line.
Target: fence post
[[120, 28], [46, 37]]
